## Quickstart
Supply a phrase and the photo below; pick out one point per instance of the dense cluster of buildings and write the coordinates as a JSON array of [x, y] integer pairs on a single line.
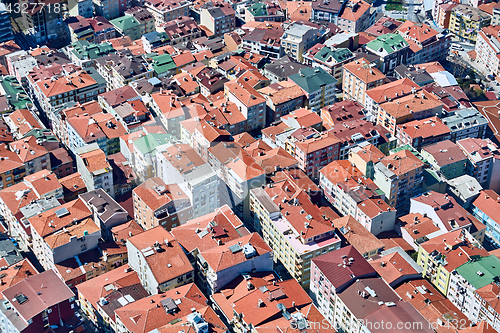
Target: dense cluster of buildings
[[242, 166]]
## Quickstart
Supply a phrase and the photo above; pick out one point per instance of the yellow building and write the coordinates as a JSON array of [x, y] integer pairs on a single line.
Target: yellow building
[[441, 255], [295, 228], [466, 21]]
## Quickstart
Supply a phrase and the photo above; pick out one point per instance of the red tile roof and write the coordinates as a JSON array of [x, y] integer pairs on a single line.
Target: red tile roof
[[149, 192], [43, 291], [158, 262], [48, 222], [343, 266], [188, 234], [147, 314], [220, 258], [28, 149]]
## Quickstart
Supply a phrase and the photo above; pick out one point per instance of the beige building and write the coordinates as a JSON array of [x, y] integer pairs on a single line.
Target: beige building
[[167, 10], [294, 228], [358, 77], [159, 260], [156, 203]]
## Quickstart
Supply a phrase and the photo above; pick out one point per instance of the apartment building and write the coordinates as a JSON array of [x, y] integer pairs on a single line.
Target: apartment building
[[184, 305], [32, 154], [482, 155], [400, 177], [166, 10], [327, 10], [426, 44], [446, 157], [464, 189], [12, 169], [264, 41], [447, 214], [281, 99], [159, 260], [127, 26], [219, 18], [251, 104], [331, 59], [316, 152], [416, 106], [77, 87], [110, 9], [484, 208], [240, 173], [29, 303], [264, 11], [95, 295], [100, 128], [262, 293], [145, 18], [364, 157], [107, 213], [351, 296], [392, 50], [466, 123], [351, 193], [94, 167], [466, 21], [144, 153], [385, 25], [181, 29], [120, 70], [63, 232], [423, 132], [358, 77], [355, 16], [441, 256], [344, 186], [358, 132], [317, 84], [158, 204], [293, 227], [103, 29], [180, 164], [473, 290], [298, 38]]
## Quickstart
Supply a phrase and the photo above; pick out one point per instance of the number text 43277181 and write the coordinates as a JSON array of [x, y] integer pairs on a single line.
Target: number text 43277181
[[32, 8]]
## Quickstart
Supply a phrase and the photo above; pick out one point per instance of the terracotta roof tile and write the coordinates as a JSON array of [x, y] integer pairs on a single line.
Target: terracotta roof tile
[[148, 193], [362, 70], [159, 261], [48, 222]]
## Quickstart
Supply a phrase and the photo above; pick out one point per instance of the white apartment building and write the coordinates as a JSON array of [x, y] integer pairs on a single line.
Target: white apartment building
[[93, 165], [473, 290], [180, 164], [483, 163], [297, 39]]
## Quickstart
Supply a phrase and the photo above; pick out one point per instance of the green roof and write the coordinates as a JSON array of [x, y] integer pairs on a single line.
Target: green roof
[[85, 50], [125, 22], [15, 94], [326, 54], [258, 9], [163, 63], [412, 150], [45, 134], [388, 42], [149, 142], [481, 271], [312, 79]]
